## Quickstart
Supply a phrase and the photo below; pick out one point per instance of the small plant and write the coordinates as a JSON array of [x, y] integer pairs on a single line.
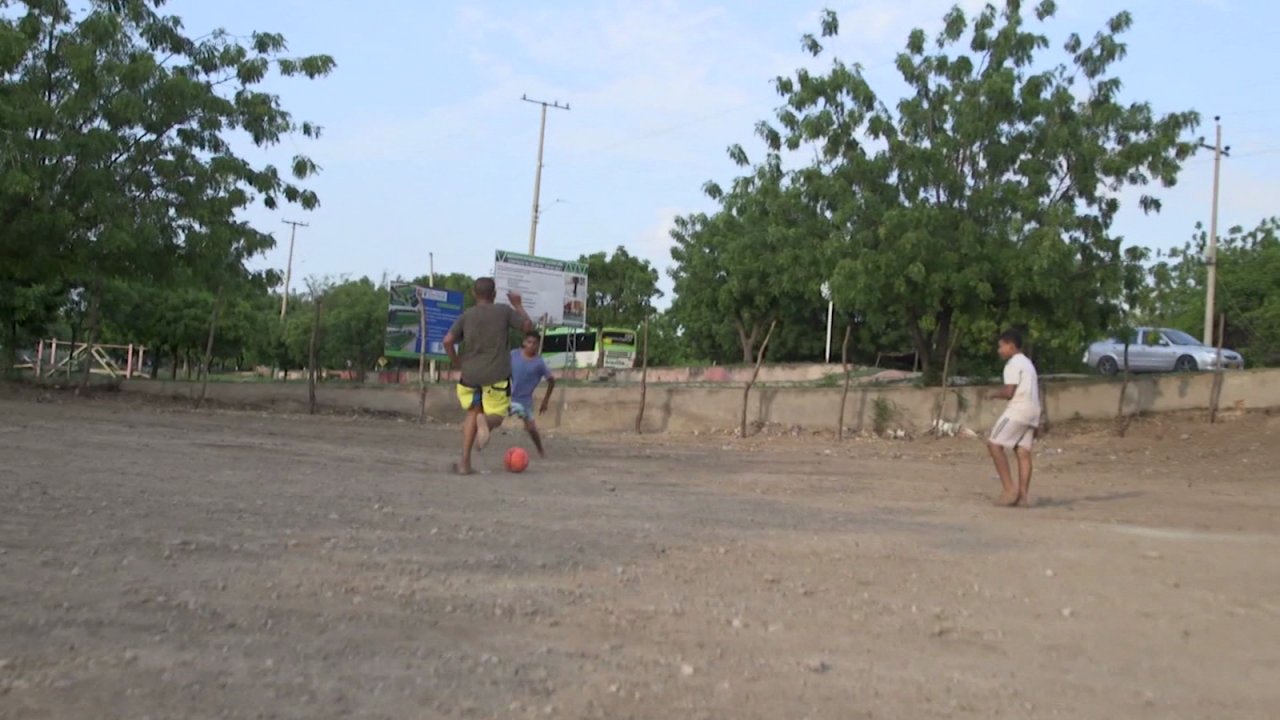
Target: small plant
[[882, 413], [830, 380]]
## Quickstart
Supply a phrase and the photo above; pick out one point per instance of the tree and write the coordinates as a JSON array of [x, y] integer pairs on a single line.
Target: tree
[[1248, 289], [756, 261], [988, 193], [668, 346], [620, 289], [355, 325], [117, 162], [459, 282]]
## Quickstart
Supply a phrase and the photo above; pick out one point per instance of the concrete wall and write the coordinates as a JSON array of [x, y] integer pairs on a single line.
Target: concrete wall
[[726, 374], [685, 409]]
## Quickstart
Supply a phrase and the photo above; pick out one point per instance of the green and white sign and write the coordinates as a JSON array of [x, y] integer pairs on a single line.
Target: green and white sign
[[554, 291]]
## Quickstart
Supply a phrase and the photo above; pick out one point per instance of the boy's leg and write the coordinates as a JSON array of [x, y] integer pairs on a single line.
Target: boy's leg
[[482, 428], [469, 399], [468, 440], [532, 428], [1008, 492], [495, 400], [1024, 469], [1004, 436]]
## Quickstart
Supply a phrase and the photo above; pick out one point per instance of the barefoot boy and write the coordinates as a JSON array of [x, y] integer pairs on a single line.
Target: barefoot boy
[[527, 371], [1016, 428], [484, 385]]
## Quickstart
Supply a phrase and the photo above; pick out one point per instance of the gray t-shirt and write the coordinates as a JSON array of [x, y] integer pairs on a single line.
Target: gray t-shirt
[[484, 333]]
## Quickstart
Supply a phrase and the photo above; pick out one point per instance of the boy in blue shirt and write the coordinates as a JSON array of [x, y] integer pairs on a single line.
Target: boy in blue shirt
[[527, 370]]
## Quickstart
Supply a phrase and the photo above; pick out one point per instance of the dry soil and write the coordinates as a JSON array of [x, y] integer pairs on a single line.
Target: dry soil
[[161, 563]]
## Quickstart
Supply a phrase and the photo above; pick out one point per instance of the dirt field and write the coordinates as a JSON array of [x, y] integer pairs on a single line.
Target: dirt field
[[158, 563]]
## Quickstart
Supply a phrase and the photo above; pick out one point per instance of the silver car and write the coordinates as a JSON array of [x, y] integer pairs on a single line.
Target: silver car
[[1159, 350]]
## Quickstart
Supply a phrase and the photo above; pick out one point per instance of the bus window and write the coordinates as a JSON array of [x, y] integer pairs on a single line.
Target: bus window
[[615, 337], [555, 344]]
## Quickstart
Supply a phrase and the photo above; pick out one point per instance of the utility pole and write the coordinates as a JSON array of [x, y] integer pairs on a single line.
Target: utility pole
[[288, 269], [431, 281], [1211, 287], [537, 181]]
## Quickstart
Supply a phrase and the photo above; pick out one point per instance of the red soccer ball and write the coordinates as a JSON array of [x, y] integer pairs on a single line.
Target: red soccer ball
[[516, 460]]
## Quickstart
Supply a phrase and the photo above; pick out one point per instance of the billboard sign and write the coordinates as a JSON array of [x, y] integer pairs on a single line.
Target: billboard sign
[[554, 291], [405, 312]]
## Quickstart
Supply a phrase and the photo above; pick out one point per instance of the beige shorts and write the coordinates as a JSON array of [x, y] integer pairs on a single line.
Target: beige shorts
[[1010, 433]]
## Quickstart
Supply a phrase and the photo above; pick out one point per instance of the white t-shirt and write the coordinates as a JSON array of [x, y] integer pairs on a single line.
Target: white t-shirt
[[1024, 406]]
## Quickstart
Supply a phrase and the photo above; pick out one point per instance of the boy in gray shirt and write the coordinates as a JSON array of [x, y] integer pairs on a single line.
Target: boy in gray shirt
[[484, 384]]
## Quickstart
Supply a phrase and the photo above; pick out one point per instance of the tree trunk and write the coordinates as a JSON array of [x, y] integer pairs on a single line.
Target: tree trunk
[[1122, 422], [75, 334], [173, 372], [747, 341], [155, 362], [92, 335], [848, 371], [208, 348], [930, 347], [314, 358], [942, 388], [746, 392], [11, 351]]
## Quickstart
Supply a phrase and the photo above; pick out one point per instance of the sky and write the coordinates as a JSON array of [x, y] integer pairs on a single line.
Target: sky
[[429, 150]]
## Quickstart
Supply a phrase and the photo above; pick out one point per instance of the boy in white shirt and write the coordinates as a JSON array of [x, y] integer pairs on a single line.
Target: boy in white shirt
[[1017, 427]]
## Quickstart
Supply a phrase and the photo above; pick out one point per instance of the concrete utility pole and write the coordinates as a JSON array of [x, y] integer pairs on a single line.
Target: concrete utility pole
[[1211, 287], [431, 281], [537, 181], [288, 269]]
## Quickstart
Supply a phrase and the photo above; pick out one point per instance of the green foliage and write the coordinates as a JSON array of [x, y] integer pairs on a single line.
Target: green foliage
[[117, 165], [986, 196], [883, 413], [668, 346], [459, 282], [354, 322], [1248, 289], [621, 289], [758, 259]]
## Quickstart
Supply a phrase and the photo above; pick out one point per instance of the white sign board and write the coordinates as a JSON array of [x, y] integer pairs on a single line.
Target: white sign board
[[554, 291]]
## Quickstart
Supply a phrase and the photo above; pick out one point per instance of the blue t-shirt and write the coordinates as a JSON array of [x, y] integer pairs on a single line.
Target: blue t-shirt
[[526, 373]]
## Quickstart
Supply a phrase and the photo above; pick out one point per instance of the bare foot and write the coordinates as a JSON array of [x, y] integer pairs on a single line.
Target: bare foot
[[542, 454], [1023, 502], [482, 432], [460, 469], [1007, 500]]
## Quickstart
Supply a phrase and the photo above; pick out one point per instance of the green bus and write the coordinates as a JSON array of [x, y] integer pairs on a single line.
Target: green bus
[[575, 348]]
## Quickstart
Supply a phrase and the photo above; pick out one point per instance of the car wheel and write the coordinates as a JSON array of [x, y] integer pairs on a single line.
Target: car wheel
[[1185, 364], [1108, 366]]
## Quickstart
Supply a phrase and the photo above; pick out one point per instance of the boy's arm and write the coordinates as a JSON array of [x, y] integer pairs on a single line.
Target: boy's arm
[[451, 339], [1011, 378], [519, 319], [1004, 393]]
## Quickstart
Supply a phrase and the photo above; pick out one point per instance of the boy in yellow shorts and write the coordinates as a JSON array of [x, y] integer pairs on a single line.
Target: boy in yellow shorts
[[484, 385]]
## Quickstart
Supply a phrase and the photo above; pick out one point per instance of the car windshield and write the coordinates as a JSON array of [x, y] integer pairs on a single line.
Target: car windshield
[[1177, 337]]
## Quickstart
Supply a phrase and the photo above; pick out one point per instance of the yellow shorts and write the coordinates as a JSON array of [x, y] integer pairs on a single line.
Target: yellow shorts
[[495, 398]]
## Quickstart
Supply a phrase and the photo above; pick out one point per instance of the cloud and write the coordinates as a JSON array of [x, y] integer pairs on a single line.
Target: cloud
[[629, 70], [654, 245]]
